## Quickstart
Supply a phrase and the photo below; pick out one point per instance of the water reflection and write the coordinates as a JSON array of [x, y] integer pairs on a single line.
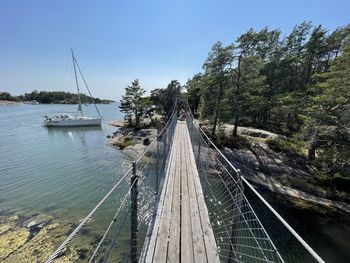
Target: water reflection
[[75, 132]]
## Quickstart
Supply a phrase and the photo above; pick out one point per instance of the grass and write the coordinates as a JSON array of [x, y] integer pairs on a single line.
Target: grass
[[289, 146], [127, 142]]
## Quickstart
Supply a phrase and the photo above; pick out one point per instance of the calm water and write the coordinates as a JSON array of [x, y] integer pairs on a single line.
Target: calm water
[[61, 171], [65, 172]]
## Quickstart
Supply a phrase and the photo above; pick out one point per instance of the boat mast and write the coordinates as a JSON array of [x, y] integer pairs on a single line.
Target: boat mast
[[77, 83]]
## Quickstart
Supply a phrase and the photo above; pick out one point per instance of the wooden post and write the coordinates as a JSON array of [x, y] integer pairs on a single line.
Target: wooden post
[[134, 224]]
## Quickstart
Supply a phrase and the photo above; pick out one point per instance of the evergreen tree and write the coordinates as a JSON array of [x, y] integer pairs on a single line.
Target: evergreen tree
[[132, 103], [327, 124], [164, 99], [217, 69]]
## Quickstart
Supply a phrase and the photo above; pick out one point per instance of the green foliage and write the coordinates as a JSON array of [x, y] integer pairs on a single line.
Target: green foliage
[[7, 96], [133, 104], [163, 99], [287, 145], [127, 142], [194, 87], [60, 97], [297, 85], [336, 181]]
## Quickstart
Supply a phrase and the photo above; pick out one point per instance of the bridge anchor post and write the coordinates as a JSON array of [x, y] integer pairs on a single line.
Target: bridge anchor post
[[134, 210], [157, 164]]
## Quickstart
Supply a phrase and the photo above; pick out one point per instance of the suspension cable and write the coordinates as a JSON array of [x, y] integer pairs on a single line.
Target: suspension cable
[[86, 219], [161, 132], [61, 248], [86, 85], [262, 199], [110, 225]]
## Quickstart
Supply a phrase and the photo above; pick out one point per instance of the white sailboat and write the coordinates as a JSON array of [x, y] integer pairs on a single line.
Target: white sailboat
[[76, 119]]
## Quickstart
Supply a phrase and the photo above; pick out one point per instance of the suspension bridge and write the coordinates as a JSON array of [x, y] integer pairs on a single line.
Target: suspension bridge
[[183, 201]]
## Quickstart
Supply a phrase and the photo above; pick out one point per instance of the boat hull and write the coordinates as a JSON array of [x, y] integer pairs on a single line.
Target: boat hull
[[73, 123]]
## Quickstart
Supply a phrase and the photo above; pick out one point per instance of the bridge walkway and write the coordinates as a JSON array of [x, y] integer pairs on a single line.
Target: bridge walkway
[[182, 230]]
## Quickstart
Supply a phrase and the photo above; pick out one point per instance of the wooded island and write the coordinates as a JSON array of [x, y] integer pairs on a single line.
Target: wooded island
[[52, 97], [296, 86]]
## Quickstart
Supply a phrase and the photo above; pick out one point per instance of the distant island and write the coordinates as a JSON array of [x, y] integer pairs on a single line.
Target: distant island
[[52, 97]]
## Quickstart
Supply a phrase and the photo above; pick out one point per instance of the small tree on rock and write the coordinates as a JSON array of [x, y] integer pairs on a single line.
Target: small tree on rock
[[132, 104]]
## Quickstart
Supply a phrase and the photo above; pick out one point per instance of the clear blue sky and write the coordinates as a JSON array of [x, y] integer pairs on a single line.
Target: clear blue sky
[[118, 41]]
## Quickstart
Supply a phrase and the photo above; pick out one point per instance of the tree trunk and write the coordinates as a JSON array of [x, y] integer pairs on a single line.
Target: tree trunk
[[137, 119], [216, 112], [311, 153], [235, 133], [254, 118]]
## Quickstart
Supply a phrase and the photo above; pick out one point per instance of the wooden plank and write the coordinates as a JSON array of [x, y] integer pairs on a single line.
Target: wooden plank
[[182, 230], [157, 223], [186, 225], [160, 253], [174, 239], [197, 233], [208, 234]]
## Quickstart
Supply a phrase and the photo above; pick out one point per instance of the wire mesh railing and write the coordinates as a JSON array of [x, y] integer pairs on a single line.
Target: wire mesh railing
[[239, 232], [120, 221], [128, 209]]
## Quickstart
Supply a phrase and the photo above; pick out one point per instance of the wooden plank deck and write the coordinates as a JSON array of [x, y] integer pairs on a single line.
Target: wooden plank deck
[[182, 231]]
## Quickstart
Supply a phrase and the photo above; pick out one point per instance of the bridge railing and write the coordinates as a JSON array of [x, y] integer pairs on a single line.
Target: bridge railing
[[240, 234], [117, 228]]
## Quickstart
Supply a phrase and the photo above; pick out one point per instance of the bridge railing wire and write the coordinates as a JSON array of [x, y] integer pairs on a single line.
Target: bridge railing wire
[[240, 234], [109, 223]]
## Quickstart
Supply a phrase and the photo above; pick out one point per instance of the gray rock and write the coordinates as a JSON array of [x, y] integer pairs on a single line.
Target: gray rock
[[38, 221]]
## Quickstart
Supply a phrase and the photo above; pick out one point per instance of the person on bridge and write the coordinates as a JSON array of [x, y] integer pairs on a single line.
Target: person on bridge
[[182, 116]]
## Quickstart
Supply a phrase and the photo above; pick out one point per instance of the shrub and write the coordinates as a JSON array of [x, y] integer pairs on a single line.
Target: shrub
[[127, 142], [339, 182], [289, 146]]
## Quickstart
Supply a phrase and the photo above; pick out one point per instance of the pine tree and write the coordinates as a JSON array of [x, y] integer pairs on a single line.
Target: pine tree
[[327, 124], [132, 104]]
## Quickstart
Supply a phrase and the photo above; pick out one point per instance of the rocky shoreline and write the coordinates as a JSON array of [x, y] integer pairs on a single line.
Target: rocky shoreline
[[9, 103], [277, 173], [259, 164], [132, 142], [33, 238]]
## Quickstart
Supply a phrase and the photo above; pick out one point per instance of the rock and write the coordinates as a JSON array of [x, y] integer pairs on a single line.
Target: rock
[[117, 123], [109, 136], [12, 240], [143, 133], [248, 131], [16, 244], [83, 253], [146, 141], [38, 221]]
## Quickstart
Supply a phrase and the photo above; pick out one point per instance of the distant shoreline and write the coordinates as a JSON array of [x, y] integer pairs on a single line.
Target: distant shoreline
[[9, 103], [52, 97]]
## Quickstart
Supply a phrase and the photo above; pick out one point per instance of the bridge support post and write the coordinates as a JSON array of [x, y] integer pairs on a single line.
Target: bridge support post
[[157, 164], [191, 128], [199, 151], [165, 144], [134, 223]]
